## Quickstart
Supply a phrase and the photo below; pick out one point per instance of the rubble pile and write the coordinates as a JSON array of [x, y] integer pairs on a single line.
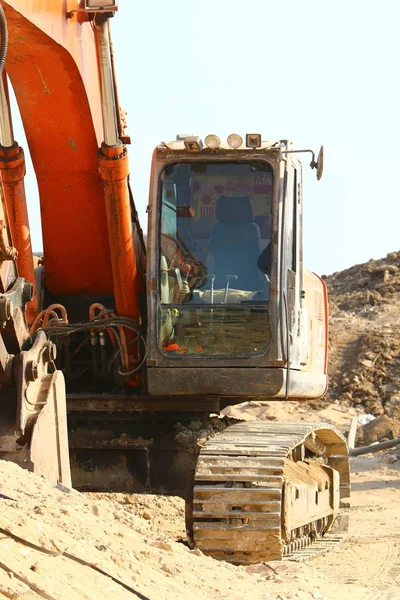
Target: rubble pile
[[362, 288], [364, 365], [380, 429], [372, 378]]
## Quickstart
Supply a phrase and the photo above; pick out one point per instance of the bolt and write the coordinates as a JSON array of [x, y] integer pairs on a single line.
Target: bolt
[[32, 370], [27, 293], [6, 309]]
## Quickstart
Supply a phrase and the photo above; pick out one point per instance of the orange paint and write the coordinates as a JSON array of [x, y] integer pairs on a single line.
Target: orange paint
[[114, 171], [12, 167], [85, 203], [52, 64]]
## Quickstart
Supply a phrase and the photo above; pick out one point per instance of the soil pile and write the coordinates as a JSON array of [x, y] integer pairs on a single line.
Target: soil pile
[[72, 546], [68, 546], [364, 364], [363, 286]]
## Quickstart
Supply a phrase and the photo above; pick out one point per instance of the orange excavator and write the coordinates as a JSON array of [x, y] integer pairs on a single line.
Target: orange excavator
[[111, 354]]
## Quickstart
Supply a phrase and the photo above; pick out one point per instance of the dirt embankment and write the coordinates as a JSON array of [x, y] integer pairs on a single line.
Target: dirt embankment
[[67, 546], [364, 365]]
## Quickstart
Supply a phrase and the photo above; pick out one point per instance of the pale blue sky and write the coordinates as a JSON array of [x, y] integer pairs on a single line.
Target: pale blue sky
[[311, 71]]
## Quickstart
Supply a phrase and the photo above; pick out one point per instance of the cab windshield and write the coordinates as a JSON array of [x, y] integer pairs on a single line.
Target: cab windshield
[[215, 258]]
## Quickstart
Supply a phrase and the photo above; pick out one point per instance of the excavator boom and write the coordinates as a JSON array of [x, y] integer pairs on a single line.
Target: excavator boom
[[52, 65]]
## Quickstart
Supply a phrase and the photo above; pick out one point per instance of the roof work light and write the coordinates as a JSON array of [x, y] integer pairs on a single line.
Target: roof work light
[[193, 143], [253, 140], [234, 140], [212, 141], [101, 5]]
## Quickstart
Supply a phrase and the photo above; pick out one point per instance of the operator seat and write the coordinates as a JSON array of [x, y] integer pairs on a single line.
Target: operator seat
[[235, 244]]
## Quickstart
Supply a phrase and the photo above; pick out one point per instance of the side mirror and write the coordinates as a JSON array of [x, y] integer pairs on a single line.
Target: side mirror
[[314, 164], [320, 163]]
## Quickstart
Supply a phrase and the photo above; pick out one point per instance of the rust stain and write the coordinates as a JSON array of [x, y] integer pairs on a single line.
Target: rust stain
[[72, 144], [45, 87], [151, 286]]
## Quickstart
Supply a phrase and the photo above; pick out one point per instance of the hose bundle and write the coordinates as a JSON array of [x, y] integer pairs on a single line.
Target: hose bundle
[[114, 324]]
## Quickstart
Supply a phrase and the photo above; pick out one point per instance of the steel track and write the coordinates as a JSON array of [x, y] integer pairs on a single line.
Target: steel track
[[237, 511]]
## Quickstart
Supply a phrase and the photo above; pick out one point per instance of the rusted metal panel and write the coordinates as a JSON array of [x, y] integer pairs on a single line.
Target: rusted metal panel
[[264, 383], [80, 403], [209, 361], [219, 381]]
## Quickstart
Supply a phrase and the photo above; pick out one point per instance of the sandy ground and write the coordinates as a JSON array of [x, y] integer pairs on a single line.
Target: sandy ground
[[367, 566], [346, 573], [61, 545]]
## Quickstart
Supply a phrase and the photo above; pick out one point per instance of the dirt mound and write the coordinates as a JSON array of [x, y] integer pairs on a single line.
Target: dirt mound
[[380, 429], [67, 546], [364, 365], [364, 286]]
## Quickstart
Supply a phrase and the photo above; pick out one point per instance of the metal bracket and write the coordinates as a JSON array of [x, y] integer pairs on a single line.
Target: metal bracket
[[6, 252], [32, 373], [13, 327]]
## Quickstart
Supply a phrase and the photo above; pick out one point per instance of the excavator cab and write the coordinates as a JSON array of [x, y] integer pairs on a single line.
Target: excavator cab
[[226, 271]]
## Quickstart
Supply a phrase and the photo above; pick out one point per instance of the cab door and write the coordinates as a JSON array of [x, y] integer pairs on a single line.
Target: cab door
[[294, 260]]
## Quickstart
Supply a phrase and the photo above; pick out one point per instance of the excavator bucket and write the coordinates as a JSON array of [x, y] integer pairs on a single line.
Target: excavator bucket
[[49, 443], [33, 420], [45, 450]]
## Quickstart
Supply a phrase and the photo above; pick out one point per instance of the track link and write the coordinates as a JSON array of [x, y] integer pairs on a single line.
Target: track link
[[238, 512]]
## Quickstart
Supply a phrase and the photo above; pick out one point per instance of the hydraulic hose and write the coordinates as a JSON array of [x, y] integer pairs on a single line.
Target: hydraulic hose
[[374, 447], [3, 39]]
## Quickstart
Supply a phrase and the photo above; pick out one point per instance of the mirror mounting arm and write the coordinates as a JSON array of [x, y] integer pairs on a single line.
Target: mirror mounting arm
[[314, 164]]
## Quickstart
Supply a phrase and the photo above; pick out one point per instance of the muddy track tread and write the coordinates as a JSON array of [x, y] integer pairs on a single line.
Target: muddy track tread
[[327, 543], [237, 496]]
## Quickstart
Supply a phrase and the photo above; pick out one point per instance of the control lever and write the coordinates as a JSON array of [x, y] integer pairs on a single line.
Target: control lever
[[184, 293], [212, 289], [228, 281]]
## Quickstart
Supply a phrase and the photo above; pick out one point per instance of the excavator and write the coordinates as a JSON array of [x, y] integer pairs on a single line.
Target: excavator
[[112, 350]]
